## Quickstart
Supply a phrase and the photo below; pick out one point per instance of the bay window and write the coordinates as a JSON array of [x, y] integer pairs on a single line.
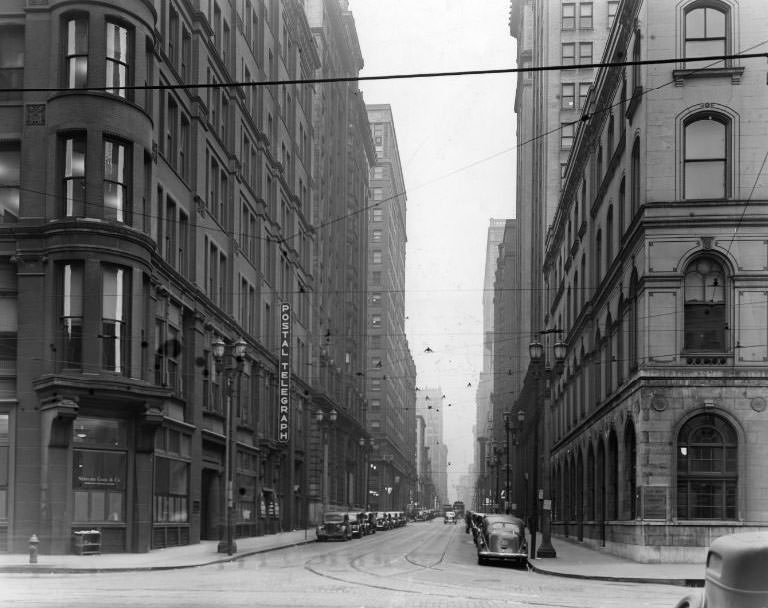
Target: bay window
[[76, 54], [117, 59], [116, 308]]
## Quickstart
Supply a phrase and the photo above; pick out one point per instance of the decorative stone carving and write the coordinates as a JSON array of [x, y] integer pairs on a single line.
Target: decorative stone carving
[[758, 404]]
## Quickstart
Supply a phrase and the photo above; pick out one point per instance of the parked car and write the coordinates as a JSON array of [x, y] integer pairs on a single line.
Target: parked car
[[449, 517], [335, 526], [382, 522], [502, 538], [370, 522], [356, 523], [735, 573]]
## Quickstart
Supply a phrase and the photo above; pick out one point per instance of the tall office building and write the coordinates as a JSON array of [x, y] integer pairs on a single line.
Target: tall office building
[[142, 230], [483, 448], [429, 405], [342, 155], [390, 371]]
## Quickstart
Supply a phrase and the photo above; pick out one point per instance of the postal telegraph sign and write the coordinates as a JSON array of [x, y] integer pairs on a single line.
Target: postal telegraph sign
[[284, 385]]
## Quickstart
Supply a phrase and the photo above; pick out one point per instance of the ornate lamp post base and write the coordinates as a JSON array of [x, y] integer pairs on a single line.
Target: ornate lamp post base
[[546, 549]]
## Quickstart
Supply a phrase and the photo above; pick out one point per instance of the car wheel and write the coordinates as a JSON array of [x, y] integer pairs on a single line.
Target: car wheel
[[480, 561]]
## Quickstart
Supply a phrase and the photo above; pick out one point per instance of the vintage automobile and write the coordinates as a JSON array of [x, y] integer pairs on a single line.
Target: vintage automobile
[[335, 526], [357, 523], [735, 573], [502, 538], [449, 517], [382, 521]]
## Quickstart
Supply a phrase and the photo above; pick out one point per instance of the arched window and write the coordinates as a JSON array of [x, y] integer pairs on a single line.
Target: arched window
[[622, 206], [636, 82], [633, 322], [706, 153], [707, 468], [621, 356], [630, 470], [706, 30], [609, 238], [704, 312], [590, 482], [600, 482], [598, 257], [634, 177], [609, 139], [612, 474], [609, 355]]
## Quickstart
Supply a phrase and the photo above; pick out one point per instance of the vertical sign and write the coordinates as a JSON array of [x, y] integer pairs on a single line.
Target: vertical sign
[[285, 373]]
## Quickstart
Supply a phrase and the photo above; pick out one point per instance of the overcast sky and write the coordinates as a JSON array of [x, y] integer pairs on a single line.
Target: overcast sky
[[456, 138]]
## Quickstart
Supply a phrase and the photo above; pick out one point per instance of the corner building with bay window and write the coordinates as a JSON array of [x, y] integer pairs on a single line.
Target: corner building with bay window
[[139, 226], [656, 268]]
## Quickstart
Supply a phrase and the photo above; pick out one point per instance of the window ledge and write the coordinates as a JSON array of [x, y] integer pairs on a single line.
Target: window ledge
[[735, 73], [708, 359]]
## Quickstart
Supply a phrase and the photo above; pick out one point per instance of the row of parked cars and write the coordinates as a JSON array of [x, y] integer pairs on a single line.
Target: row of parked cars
[[498, 537], [346, 525]]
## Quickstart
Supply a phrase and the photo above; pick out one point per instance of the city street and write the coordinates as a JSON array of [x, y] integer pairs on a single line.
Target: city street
[[422, 565]]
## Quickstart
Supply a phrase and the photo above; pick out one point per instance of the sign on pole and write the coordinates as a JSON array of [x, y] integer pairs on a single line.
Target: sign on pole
[[284, 384]]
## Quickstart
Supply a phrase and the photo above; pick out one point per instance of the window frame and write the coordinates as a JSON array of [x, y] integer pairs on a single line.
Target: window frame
[[727, 160], [117, 60], [691, 307], [727, 477], [75, 53]]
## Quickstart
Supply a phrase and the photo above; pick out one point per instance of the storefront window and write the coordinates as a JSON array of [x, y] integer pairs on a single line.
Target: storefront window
[[98, 478], [171, 490], [99, 485]]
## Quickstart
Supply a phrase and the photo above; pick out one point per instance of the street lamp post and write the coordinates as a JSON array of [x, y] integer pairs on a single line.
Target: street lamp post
[[237, 351], [325, 420], [545, 375]]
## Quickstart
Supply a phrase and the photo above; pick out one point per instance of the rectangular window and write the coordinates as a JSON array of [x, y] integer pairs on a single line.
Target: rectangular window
[[567, 95], [613, 7], [115, 313], [117, 59], [11, 61], [376, 320], [171, 131], [71, 311], [583, 93], [73, 173], [376, 257], [585, 53], [566, 135], [10, 181], [568, 53], [568, 21], [183, 256], [173, 36], [171, 496], [77, 53], [585, 16], [184, 147], [377, 215], [116, 179], [186, 55]]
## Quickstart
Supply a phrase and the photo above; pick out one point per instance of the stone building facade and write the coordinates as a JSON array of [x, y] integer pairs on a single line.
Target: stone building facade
[[656, 268]]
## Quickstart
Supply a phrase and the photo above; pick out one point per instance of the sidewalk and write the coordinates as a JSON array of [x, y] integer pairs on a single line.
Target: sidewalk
[[187, 556], [576, 560]]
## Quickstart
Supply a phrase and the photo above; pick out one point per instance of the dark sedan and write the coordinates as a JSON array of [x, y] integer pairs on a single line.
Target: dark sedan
[[501, 538]]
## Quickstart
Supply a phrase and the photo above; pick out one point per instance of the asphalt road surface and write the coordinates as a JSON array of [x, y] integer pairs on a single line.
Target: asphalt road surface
[[425, 564]]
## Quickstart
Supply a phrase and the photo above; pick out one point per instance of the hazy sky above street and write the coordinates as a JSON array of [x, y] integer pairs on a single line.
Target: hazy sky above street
[[456, 138]]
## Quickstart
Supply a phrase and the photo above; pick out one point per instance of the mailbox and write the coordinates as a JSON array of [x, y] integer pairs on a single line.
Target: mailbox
[[735, 574]]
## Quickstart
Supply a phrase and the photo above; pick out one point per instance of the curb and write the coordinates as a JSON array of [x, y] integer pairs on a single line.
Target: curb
[[680, 582], [43, 569]]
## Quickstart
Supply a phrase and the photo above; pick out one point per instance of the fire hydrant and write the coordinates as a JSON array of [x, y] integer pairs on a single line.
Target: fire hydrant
[[33, 542]]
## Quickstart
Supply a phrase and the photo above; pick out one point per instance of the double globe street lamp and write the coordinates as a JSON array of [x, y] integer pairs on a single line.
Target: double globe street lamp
[[544, 374], [233, 353], [325, 420]]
